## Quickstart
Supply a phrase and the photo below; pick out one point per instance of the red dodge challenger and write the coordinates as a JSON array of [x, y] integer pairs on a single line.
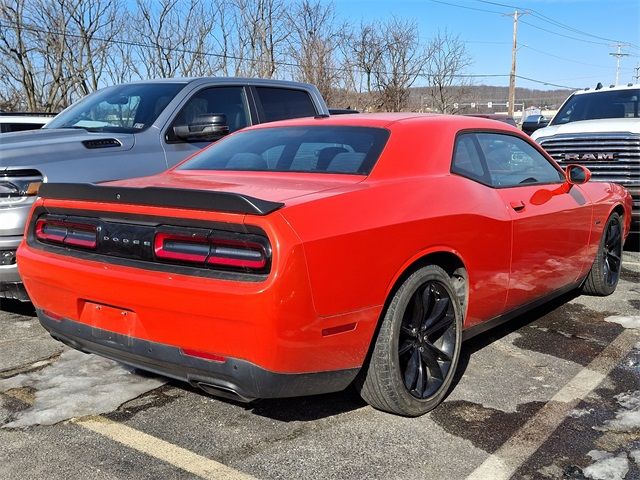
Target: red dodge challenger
[[298, 257]]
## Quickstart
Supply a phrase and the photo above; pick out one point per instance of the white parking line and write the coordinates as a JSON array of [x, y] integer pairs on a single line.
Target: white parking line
[[502, 464], [177, 456]]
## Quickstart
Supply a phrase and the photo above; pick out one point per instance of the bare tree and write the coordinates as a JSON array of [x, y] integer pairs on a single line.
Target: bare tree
[[93, 26], [403, 59], [55, 51], [448, 60], [258, 37], [364, 48], [313, 45], [32, 48], [172, 38]]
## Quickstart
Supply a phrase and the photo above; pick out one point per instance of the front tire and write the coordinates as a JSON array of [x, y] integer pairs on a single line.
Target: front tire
[[605, 271], [417, 348]]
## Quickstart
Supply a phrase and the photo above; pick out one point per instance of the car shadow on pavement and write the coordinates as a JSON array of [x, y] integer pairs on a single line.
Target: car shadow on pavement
[[295, 409], [305, 409], [19, 308], [485, 339]]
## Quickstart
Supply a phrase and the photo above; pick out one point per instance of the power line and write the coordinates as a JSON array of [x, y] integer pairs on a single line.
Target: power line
[[490, 43], [575, 30], [540, 17], [565, 36], [546, 18], [36, 29], [563, 58], [546, 83], [466, 7]]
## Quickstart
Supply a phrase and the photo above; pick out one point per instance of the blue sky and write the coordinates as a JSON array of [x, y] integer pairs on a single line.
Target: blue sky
[[574, 62]]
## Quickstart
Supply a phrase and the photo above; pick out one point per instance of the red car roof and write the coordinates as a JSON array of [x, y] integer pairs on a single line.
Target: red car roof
[[383, 120]]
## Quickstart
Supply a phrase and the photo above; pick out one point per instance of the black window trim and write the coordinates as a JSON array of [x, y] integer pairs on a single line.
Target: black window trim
[[537, 147], [252, 120]]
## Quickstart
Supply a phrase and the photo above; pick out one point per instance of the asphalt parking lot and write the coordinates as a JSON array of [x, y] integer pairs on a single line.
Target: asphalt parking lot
[[553, 394]]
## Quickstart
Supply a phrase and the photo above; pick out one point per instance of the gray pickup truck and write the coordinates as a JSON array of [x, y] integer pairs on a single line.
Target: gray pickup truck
[[128, 131]]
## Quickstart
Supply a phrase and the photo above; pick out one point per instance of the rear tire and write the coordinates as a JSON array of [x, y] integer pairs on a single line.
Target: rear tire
[[605, 271], [417, 348]]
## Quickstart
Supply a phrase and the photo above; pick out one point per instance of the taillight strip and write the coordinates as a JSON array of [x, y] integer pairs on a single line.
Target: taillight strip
[[210, 250], [66, 233], [182, 248]]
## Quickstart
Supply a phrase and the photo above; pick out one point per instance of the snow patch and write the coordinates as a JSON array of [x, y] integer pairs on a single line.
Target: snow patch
[[76, 385], [628, 416], [606, 466], [627, 322], [580, 412]]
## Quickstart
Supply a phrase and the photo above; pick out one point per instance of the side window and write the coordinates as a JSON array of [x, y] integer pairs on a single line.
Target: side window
[[283, 103], [512, 162], [228, 100], [21, 127], [466, 159]]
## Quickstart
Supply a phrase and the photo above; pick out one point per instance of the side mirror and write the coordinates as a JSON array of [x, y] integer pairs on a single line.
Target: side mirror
[[533, 123], [205, 127], [577, 174], [574, 175]]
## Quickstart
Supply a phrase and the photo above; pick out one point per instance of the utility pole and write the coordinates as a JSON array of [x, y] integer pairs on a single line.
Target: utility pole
[[512, 76], [637, 75], [618, 55]]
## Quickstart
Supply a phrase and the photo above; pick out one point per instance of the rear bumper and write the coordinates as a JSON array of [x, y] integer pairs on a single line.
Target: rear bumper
[[233, 378]]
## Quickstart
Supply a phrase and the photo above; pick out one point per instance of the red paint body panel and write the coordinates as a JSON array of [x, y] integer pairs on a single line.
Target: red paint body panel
[[340, 244]]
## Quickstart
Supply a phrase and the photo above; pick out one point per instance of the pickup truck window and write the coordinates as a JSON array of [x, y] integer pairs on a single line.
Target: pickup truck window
[[283, 103], [596, 105], [317, 149], [18, 127], [125, 109], [228, 100]]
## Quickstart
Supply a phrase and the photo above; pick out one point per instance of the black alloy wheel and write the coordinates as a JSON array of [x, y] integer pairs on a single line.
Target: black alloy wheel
[[612, 253], [427, 340], [416, 351], [605, 272]]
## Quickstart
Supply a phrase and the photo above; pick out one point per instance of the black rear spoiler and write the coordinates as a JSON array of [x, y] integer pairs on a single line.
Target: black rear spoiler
[[161, 197]]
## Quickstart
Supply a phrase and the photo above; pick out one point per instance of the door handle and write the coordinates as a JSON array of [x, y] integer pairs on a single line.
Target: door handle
[[517, 205]]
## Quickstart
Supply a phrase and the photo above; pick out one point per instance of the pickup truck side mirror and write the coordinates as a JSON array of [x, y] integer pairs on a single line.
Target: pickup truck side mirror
[[205, 127], [533, 123]]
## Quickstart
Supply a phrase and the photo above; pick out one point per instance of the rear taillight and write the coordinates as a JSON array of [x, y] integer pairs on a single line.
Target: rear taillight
[[66, 232], [213, 250]]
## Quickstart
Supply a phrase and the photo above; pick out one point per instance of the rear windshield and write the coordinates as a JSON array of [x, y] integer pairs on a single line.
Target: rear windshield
[[322, 149], [596, 105]]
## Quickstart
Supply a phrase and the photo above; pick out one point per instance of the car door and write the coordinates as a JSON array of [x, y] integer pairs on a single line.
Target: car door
[[229, 100], [551, 225]]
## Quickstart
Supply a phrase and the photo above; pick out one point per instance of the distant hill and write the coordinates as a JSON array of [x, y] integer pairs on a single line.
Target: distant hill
[[480, 95]]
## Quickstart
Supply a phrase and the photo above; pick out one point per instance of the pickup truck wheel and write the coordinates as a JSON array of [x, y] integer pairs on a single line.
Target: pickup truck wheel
[[417, 348], [605, 271]]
